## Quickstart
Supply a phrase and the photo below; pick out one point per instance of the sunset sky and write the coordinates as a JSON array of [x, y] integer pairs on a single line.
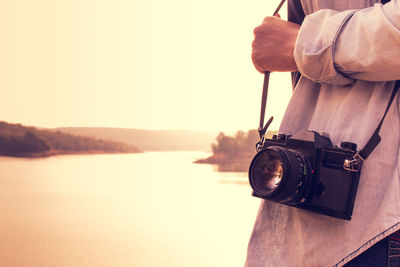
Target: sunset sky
[[146, 64]]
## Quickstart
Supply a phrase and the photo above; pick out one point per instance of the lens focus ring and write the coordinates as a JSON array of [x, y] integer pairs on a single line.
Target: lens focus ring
[[280, 174]]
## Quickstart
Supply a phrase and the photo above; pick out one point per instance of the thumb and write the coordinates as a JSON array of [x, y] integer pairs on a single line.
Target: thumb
[[277, 15]]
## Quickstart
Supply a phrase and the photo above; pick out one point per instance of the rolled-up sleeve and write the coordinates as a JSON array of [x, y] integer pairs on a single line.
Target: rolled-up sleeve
[[338, 47]]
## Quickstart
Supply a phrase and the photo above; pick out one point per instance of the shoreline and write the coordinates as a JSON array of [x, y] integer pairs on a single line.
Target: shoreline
[[237, 163], [51, 153]]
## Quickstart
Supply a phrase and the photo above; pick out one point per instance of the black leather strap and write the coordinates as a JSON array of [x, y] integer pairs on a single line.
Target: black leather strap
[[262, 129], [375, 138], [296, 15]]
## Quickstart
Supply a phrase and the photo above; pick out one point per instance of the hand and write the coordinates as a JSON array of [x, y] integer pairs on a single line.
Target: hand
[[273, 45]]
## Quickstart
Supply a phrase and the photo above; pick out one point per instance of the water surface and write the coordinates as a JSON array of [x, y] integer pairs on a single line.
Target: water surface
[[151, 209]]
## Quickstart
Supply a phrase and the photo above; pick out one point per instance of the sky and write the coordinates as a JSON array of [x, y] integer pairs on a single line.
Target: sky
[[144, 64]]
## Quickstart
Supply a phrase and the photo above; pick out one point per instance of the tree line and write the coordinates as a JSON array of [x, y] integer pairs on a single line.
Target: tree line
[[234, 153], [19, 140]]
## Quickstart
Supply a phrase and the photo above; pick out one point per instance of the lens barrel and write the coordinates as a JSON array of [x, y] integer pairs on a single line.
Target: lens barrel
[[281, 175]]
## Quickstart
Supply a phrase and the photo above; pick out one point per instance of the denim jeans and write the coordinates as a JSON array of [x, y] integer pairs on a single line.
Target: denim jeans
[[385, 253]]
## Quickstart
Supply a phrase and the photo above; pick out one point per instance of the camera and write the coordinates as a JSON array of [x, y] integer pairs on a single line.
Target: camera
[[306, 171]]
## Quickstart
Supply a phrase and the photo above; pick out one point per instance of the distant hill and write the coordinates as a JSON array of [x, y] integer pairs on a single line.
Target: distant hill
[[149, 140], [23, 141]]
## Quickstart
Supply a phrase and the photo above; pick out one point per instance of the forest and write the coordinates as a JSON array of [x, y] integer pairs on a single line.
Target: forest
[[22, 141], [234, 153]]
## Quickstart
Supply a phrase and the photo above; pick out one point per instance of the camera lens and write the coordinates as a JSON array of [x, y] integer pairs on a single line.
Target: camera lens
[[273, 174], [280, 174], [268, 171]]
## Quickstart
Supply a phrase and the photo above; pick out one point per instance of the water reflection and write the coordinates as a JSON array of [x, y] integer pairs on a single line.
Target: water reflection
[[152, 209]]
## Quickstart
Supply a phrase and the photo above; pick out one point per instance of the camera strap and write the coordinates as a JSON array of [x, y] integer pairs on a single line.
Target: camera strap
[[353, 165], [375, 138], [262, 129]]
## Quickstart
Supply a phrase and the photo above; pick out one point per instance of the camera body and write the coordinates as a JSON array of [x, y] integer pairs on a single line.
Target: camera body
[[306, 171]]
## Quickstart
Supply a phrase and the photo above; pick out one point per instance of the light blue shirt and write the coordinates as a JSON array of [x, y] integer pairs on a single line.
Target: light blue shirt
[[346, 51]]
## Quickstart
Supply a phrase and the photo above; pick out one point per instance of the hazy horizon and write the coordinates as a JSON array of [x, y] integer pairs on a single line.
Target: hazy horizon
[[115, 127]]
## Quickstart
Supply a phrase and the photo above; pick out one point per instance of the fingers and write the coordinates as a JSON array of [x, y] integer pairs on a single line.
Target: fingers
[[258, 68], [273, 45], [267, 19], [271, 19]]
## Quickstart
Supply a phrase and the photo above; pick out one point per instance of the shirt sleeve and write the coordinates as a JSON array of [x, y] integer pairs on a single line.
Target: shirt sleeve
[[338, 47]]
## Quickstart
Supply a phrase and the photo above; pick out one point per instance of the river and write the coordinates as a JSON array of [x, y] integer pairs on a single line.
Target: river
[[150, 209]]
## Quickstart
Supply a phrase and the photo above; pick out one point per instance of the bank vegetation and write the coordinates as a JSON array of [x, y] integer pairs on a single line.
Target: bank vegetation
[[234, 153], [22, 141]]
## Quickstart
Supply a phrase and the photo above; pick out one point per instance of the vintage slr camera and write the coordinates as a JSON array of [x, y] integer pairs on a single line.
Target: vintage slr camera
[[306, 171]]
